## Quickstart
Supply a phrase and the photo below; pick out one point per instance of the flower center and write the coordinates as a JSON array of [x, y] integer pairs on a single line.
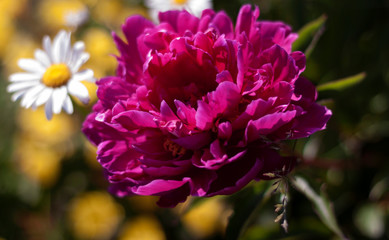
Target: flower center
[[174, 148], [56, 75], [180, 2]]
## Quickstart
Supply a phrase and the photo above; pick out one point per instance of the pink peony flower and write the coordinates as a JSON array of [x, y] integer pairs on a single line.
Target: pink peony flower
[[198, 107]]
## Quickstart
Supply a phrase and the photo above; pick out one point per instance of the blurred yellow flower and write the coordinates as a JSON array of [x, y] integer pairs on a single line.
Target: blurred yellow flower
[[114, 12], [205, 219], [94, 215], [37, 162], [12, 8], [144, 203], [8, 28], [102, 49], [144, 227], [14, 52], [34, 124], [90, 154], [57, 14]]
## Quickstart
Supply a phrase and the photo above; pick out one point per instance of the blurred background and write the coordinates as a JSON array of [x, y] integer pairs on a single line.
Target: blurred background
[[51, 186]]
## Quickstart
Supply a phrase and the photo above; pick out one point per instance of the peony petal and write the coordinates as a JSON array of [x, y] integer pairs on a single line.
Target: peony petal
[[135, 119], [267, 124], [195, 141]]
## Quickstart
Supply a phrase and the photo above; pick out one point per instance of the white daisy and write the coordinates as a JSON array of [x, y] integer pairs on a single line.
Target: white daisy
[[74, 18], [52, 76], [193, 6]]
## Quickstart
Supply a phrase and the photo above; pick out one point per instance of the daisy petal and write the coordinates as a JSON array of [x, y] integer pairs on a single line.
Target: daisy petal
[[42, 57], [43, 96], [24, 77], [86, 75], [78, 90], [14, 87], [68, 105], [31, 95], [49, 108], [80, 61], [78, 48], [59, 96], [17, 95], [31, 65], [56, 49], [47, 47]]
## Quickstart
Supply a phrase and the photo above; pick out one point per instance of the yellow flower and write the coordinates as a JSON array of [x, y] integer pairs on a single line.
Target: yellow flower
[[90, 155], [14, 52], [7, 27], [57, 14], [205, 219], [12, 8], [144, 203], [144, 227], [114, 12], [37, 162], [94, 215], [34, 124], [101, 48]]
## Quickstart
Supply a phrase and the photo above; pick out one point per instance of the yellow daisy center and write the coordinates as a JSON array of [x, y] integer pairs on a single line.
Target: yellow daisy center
[[56, 75], [180, 2]]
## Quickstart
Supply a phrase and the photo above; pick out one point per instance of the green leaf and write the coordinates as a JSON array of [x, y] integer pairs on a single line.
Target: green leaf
[[246, 207], [343, 83], [308, 32], [321, 204]]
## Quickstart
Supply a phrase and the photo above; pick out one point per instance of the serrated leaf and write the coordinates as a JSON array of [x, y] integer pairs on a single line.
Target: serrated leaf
[[342, 83], [321, 204], [307, 32]]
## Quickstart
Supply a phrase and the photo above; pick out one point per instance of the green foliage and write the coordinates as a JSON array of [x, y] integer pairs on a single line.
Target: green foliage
[[321, 203], [309, 35], [343, 83]]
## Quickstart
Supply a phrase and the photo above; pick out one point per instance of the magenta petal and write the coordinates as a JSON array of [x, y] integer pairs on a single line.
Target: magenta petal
[[173, 197], [223, 24], [314, 120], [194, 142], [158, 186], [225, 98], [204, 116], [239, 173], [135, 119], [267, 124], [246, 19], [224, 130], [198, 107], [305, 92]]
